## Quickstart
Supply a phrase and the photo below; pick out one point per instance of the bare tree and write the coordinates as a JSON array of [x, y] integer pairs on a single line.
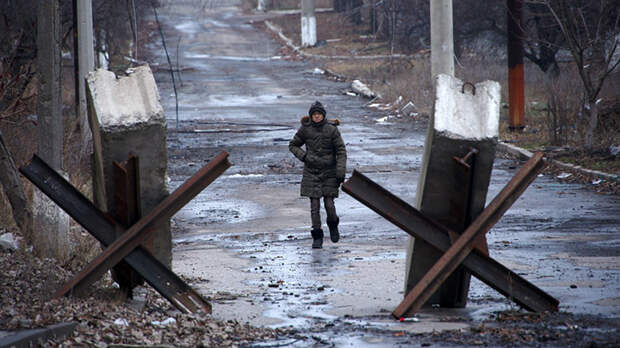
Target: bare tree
[[590, 29], [543, 38]]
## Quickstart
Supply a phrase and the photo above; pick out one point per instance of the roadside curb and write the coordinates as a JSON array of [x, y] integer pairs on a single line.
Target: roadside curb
[[524, 154], [276, 30]]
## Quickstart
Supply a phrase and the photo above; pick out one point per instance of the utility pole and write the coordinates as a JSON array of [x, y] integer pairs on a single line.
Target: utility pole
[[86, 62], [516, 94], [308, 23], [420, 255], [442, 43], [51, 226], [49, 103]]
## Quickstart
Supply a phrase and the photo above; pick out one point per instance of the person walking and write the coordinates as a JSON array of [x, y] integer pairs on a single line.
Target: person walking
[[325, 163]]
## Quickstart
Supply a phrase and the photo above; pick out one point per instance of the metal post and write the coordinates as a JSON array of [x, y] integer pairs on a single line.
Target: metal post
[[516, 94]]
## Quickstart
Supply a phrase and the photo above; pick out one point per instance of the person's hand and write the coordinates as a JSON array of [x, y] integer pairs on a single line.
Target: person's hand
[[340, 179]]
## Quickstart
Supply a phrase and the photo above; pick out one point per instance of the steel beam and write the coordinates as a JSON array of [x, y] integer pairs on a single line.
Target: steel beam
[[104, 228], [458, 251], [126, 211], [134, 236], [416, 224]]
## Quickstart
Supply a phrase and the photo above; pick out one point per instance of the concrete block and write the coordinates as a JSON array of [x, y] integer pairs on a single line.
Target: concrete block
[[126, 116], [461, 119]]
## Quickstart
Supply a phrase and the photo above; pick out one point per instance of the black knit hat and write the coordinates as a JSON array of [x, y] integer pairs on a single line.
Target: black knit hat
[[317, 106]]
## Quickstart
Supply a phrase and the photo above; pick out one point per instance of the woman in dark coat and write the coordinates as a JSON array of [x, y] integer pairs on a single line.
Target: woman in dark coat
[[325, 161]]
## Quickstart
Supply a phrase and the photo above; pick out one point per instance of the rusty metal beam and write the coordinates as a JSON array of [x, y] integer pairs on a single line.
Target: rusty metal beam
[[103, 228], [458, 251], [127, 211], [416, 224], [135, 235]]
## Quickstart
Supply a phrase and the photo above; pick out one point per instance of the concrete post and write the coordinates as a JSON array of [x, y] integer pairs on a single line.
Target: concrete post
[[86, 63], [442, 43], [126, 116], [50, 225], [308, 23], [463, 117]]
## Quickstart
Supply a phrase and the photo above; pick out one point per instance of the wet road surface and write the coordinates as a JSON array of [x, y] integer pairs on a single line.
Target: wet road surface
[[244, 242]]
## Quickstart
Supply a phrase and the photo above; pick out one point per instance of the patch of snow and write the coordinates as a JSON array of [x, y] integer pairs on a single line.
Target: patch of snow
[[245, 176], [121, 322], [168, 321], [7, 241], [382, 119]]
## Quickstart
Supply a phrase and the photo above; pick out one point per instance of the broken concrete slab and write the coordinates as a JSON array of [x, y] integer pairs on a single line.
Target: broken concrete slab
[[126, 117]]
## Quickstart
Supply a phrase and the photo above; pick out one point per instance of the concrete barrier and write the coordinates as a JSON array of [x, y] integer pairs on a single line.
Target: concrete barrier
[[126, 116], [464, 116]]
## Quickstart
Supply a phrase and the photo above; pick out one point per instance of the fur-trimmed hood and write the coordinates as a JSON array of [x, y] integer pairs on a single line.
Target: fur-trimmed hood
[[306, 121]]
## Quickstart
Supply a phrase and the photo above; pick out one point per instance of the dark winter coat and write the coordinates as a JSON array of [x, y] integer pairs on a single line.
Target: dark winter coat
[[325, 158]]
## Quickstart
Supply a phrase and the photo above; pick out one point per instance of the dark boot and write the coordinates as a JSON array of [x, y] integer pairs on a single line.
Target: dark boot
[[317, 238], [333, 230]]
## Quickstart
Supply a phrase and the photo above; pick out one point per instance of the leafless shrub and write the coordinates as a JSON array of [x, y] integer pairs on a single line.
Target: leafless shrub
[[564, 97]]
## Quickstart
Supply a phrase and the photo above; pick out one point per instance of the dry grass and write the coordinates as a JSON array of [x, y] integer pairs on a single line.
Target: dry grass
[[392, 79]]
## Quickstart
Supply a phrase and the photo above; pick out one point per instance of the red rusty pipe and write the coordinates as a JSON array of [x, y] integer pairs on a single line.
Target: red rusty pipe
[[516, 95]]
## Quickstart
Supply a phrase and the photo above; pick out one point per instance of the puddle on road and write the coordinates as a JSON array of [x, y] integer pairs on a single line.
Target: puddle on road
[[190, 55], [203, 210]]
